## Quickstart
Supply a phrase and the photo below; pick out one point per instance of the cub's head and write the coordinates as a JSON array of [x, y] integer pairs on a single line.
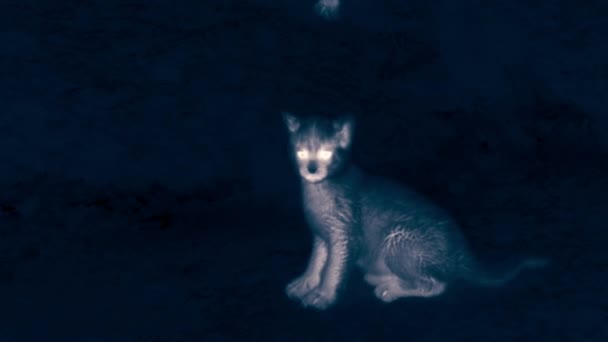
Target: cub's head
[[319, 146]]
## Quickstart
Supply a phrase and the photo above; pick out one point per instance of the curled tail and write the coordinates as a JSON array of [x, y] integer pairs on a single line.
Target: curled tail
[[492, 279]]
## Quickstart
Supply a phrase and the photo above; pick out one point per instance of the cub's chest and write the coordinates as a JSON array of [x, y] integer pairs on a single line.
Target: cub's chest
[[327, 204]]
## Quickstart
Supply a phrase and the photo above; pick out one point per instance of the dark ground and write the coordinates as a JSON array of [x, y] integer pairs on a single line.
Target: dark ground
[[147, 195]]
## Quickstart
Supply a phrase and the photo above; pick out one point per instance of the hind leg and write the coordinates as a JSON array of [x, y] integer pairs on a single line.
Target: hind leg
[[390, 286], [393, 287], [411, 267]]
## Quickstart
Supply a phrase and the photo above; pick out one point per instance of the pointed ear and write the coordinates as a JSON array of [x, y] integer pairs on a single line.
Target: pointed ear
[[292, 123], [345, 128]]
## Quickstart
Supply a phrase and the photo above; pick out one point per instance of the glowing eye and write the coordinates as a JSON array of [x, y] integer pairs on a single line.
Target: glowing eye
[[302, 154], [324, 154]]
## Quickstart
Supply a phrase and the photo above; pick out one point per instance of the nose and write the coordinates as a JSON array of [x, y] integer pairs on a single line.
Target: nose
[[312, 167]]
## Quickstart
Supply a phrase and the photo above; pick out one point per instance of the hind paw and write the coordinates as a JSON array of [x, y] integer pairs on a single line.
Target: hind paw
[[388, 292]]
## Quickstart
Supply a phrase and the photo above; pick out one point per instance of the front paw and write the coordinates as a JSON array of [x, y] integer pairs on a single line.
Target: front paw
[[300, 287], [319, 299]]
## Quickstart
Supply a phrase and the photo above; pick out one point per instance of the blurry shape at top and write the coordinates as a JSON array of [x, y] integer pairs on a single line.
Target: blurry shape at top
[[329, 9]]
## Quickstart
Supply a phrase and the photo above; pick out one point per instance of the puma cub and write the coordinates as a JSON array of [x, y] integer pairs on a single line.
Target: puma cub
[[405, 245]]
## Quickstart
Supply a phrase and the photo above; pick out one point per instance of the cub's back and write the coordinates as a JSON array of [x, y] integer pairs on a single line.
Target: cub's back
[[385, 201]]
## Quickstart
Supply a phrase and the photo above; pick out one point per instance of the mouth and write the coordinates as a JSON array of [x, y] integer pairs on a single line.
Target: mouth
[[313, 178]]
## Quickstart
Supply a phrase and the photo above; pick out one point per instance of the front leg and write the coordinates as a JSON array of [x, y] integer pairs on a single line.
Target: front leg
[[333, 275], [312, 276]]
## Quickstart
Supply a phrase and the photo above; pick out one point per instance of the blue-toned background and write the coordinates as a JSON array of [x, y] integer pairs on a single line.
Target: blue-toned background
[[146, 193]]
